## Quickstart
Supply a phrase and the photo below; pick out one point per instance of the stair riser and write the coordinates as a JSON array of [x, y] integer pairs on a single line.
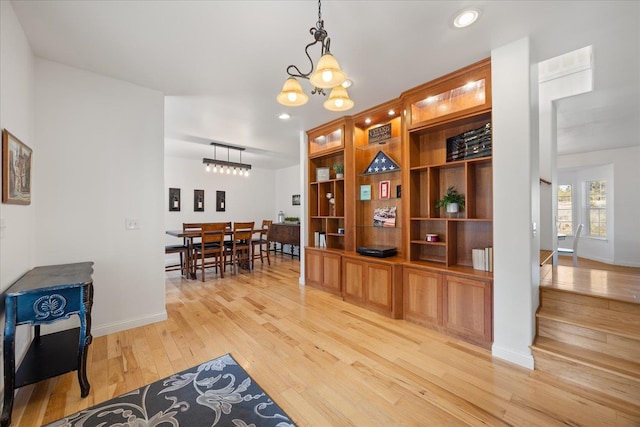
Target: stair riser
[[623, 313], [625, 389], [622, 347]]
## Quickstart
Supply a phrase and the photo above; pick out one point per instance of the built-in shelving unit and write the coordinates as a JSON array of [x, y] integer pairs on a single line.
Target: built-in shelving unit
[[436, 135]]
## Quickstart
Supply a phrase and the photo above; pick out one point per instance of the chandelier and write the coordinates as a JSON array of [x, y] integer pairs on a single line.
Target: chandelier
[[226, 166], [328, 75]]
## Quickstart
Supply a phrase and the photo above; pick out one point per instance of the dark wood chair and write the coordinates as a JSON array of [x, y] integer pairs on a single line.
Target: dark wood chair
[[210, 247], [238, 249], [191, 242], [182, 251], [260, 243]]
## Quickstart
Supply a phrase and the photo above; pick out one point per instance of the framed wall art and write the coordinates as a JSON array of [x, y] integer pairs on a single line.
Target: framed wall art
[[385, 188], [174, 199], [220, 201], [16, 170], [295, 200], [198, 200]]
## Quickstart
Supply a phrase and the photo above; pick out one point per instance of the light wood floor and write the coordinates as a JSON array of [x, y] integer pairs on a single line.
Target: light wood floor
[[324, 361]]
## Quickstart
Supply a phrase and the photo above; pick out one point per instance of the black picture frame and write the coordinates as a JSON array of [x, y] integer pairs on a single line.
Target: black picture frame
[[220, 201], [174, 200], [295, 200], [198, 200]]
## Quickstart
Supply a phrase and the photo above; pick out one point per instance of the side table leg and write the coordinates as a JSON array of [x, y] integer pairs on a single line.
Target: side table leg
[[9, 366]]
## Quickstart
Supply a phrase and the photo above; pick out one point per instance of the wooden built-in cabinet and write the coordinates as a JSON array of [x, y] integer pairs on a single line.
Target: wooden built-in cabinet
[[378, 175], [328, 145], [454, 304], [438, 135], [322, 270], [371, 283], [439, 111]]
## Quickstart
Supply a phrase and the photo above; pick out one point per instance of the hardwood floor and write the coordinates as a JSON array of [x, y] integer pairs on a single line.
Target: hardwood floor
[[324, 361]]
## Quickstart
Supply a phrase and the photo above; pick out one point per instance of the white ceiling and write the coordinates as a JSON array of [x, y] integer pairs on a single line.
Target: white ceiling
[[222, 63]]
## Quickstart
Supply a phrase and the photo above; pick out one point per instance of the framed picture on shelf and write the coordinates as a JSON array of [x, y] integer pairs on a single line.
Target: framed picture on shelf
[[16, 170], [322, 174], [365, 192], [385, 187]]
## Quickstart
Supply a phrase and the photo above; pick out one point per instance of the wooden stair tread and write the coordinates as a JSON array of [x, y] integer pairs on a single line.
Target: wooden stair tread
[[611, 285], [595, 359], [630, 329]]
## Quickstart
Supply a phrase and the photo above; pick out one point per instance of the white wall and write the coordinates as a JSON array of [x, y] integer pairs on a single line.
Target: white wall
[[287, 184], [625, 200], [17, 114], [99, 161], [515, 204], [251, 198]]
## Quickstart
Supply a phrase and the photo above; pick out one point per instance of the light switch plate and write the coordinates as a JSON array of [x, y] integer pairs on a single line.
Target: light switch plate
[[132, 224]]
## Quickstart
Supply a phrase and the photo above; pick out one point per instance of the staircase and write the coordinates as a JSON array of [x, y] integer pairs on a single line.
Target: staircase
[[588, 332]]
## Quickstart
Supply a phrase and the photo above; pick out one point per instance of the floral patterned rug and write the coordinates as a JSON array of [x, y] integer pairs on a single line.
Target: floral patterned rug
[[216, 393]]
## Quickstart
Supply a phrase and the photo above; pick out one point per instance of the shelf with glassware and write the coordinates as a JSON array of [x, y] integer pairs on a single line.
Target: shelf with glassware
[[328, 190], [435, 235], [378, 177]]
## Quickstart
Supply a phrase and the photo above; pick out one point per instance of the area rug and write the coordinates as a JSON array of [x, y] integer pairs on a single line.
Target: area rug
[[216, 393]]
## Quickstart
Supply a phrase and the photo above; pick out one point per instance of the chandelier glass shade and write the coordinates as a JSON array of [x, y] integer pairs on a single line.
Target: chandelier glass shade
[[226, 166], [338, 100], [327, 74], [292, 94]]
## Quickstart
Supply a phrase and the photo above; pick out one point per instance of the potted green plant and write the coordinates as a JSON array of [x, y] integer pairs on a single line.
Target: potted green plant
[[338, 168], [292, 220], [452, 201]]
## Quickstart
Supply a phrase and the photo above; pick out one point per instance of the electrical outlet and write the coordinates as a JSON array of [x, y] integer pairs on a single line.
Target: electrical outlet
[[132, 224]]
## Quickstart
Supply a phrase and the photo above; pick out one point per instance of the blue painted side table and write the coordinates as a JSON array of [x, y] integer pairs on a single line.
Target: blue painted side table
[[45, 295]]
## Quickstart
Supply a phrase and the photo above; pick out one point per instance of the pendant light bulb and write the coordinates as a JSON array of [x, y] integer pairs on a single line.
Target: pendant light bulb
[[208, 167]]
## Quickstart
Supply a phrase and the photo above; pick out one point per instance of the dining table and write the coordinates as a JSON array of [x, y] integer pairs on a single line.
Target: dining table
[[189, 236]]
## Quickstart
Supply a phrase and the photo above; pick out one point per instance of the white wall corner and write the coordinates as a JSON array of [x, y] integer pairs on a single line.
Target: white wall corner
[[525, 360], [112, 328], [514, 154]]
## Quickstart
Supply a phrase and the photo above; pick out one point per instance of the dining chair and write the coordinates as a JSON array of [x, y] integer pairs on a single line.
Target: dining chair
[[573, 250], [211, 245], [260, 244], [182, 251], [190, 243], [238, 249]]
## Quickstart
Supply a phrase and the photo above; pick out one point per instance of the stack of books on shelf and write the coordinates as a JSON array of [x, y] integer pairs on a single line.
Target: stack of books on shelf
[[470, 144], [320, 239], [482, 259]]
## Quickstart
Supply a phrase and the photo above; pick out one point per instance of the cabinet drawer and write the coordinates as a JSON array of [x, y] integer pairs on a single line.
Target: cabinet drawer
[[46, 307]]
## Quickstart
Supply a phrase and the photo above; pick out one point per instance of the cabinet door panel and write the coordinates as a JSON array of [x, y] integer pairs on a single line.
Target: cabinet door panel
[[379, 285], [468, 307], [331, 272], [354, 280], [423, 297], [313, 268]]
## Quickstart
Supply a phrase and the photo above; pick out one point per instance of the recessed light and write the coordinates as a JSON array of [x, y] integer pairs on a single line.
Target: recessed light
[[347, 83], [465, 18], [391, 112], [367, 120], [284, 116]]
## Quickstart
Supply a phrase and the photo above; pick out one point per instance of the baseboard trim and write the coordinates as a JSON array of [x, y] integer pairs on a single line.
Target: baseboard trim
[[110, 328], [524, 360]]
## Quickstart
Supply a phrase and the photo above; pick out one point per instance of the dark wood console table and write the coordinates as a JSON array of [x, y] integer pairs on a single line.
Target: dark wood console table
[[285, 234], [45, 295]]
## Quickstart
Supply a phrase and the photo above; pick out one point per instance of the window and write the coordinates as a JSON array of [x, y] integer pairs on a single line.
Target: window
[[565, 209], [597, 208]]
